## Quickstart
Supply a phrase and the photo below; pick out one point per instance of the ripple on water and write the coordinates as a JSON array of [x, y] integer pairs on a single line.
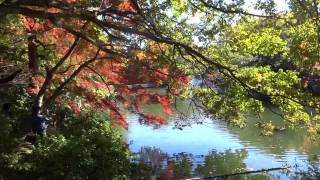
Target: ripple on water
[[214, 136]]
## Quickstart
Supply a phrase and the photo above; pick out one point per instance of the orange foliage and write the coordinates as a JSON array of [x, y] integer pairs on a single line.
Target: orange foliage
[[71, 1], [34, 25], [168, 172], [36, 82], [141, 56], [53, 10], [127, 5], [116, 72]]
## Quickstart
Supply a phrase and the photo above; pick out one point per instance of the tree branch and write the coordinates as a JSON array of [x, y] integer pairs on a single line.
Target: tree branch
[[10, 77], [91, 17], [224, 176], [58, 91], [237, 11]]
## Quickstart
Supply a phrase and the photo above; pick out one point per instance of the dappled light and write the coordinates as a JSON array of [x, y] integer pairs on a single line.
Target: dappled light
[[193, 88]]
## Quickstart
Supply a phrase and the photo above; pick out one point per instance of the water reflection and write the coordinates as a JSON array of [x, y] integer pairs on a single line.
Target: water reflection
[[311, 172], [227, 162], [152, 158], [187, 152], [294, 141], [159, 165]]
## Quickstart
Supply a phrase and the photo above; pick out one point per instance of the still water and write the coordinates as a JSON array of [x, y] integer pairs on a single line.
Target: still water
[[213, 148]]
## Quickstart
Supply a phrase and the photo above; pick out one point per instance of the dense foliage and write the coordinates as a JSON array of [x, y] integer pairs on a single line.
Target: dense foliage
[[61, 58], [88, 146]]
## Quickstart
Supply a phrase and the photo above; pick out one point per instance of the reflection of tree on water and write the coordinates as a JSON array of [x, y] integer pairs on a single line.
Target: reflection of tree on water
[[179, 166], [312, 172], [216, 163], [284, 144], [150, 161], [281, 142], [160, 165], [186, 114]]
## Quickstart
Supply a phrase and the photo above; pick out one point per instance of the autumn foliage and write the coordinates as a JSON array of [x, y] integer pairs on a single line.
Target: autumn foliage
[[111, 82]]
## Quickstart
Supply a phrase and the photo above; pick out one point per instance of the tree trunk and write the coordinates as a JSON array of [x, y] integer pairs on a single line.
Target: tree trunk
[[33, 68], [33, 54], [38, 121]]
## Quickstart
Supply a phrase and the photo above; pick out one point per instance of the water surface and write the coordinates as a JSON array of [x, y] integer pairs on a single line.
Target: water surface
[[214, 148]]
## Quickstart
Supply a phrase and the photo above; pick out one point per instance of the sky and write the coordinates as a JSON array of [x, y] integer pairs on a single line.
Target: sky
[[281, 5], [249, 6]]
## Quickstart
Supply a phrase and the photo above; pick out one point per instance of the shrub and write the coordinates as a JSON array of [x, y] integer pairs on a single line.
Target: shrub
[[86, 148]]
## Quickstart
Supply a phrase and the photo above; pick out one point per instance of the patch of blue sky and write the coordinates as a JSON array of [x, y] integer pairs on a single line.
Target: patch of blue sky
[[249, 6], [281, 6]]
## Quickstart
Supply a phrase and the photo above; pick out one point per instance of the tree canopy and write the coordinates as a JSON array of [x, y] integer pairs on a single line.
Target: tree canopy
[[99, 54]]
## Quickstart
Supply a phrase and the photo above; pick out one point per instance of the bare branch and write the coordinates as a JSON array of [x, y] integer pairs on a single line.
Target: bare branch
[[237, 11], [224, 176]]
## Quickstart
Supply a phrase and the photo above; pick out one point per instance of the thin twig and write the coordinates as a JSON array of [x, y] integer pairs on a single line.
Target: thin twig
[[242, 173]]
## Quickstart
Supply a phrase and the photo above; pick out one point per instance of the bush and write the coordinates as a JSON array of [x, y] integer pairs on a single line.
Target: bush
[[86, 148]]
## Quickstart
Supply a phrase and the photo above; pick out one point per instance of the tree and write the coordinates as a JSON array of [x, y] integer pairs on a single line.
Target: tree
[[95, 65], [120, 35]]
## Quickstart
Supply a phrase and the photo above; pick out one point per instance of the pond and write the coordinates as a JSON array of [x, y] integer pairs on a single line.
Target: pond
[[213, 148]]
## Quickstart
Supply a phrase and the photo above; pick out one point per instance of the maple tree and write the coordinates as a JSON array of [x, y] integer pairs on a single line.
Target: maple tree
[[96, 67]]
